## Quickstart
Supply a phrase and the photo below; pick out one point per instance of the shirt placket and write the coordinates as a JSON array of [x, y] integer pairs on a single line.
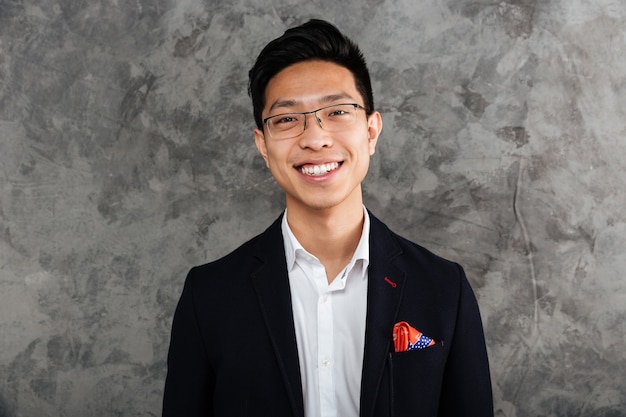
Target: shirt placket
[[325, 348]]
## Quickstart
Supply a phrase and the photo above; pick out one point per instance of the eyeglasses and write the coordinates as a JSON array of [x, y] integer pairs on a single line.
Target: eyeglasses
[[335, 118]]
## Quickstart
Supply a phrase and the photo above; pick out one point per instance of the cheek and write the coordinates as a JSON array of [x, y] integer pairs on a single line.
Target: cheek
[[275, 157]]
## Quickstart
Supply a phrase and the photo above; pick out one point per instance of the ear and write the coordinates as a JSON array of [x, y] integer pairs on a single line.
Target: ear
[[374, 127], [259, 140]]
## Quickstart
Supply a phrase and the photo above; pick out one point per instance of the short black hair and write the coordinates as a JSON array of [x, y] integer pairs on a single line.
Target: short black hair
[[311, 41]]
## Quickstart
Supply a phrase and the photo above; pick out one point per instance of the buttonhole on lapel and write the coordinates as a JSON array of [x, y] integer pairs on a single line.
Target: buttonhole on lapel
[[390, 282]]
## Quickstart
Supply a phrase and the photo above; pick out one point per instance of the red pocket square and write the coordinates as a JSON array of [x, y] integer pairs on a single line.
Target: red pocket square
[[406, 338]]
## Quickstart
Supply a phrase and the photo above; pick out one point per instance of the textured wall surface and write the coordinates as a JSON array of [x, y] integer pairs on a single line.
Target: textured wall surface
[[126, 157]]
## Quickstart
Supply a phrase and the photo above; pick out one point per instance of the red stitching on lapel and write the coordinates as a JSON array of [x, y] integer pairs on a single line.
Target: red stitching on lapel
[[390, 282]]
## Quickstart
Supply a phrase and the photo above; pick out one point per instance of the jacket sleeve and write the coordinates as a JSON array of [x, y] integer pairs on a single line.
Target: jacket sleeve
[[190, 380], [466, 389]]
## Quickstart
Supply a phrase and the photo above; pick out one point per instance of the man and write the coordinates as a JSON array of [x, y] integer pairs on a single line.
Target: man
[[326, 313]]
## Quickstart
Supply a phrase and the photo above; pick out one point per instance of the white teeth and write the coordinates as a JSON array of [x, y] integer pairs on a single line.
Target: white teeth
[[317, 170]]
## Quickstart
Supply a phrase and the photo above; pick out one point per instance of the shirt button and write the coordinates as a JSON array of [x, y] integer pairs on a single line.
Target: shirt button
[[326, 362], [323, 299]]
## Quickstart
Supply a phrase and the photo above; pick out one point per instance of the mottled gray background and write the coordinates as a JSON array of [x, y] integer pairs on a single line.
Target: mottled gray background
[[126, 157]]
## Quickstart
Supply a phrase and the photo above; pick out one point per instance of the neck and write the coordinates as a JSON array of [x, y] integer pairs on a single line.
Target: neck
[[332, 234]]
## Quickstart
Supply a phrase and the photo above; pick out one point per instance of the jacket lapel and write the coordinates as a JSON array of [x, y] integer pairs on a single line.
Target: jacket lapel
[[271, 283], [385, 286]]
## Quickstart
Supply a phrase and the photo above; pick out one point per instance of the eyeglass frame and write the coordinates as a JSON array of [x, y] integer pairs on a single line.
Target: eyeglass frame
[[305, 113]]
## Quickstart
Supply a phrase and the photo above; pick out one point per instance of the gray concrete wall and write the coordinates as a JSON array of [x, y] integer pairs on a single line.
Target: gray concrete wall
[[126, 157]]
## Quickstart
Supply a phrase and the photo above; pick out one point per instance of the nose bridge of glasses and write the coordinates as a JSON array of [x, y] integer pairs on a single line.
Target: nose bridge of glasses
[[317, 118], [313, 113]]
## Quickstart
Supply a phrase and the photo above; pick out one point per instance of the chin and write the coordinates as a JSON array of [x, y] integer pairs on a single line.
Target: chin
[[323, 203]]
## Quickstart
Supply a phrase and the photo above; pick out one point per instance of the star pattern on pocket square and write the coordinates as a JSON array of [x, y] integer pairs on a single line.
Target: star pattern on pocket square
[[406, 337]]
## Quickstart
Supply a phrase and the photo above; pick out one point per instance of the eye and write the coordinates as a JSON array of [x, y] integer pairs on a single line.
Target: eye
[[337, 112], [285, 119], [340, 112]]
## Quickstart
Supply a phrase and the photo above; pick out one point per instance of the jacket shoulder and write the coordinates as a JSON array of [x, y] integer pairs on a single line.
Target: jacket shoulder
[[247, 257], [418, 252], [408, 252]]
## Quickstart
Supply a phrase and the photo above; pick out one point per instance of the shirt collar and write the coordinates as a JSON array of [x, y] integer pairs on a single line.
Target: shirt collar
[[292, 246]]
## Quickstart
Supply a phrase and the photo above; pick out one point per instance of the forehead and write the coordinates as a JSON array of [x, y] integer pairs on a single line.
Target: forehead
[[310, 83]]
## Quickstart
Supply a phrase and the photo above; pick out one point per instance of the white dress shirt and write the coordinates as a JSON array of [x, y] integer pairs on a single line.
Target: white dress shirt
[[330, 326]]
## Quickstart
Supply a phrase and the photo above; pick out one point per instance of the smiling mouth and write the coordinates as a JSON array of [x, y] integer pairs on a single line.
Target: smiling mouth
[[317, 170]]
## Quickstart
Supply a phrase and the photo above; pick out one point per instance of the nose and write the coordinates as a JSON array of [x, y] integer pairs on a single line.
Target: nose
[[314, 136]]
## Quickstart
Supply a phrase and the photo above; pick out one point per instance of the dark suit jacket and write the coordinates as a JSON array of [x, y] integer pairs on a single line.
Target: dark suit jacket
[[233, 345]]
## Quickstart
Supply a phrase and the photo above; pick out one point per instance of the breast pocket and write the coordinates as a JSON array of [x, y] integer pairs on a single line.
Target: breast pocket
[[416, 378]]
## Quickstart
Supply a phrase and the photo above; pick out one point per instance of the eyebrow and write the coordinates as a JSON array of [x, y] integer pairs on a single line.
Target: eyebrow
[[325, 99]]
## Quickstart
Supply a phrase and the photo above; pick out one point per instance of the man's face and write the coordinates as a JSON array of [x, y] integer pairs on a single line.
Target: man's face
[[318, 169]]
